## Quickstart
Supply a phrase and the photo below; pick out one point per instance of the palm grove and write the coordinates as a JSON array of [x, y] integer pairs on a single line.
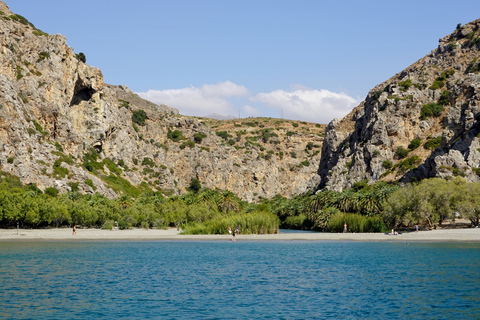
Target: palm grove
[[364, 207]]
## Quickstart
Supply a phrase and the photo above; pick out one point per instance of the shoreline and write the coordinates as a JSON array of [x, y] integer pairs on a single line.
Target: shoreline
[[171, 234]]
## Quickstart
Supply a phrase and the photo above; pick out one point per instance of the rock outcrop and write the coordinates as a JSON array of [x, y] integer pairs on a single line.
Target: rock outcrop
[[421, 123], [62, 127]]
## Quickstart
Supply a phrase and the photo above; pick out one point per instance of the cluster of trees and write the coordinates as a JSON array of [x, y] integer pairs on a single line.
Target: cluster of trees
[[360, 207], [381, 206], [432, 201], [364, 207], [31, 208]]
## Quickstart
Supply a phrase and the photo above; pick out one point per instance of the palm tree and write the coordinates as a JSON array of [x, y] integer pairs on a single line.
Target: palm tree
[[207, 196], [345, 201], [322, 199], [124, 201], [227, 201]]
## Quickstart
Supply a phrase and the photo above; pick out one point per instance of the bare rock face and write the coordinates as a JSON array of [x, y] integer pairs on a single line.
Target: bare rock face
[[431, 110], [61, 126]]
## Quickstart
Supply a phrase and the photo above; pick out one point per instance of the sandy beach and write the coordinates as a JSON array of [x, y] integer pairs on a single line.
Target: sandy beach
[[65, 234]]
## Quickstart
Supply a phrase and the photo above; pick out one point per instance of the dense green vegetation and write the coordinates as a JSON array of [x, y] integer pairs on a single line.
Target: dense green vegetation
[[200, 211], [365, 208]]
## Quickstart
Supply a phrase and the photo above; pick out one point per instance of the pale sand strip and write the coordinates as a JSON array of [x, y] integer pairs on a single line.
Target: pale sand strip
[[62, 234]]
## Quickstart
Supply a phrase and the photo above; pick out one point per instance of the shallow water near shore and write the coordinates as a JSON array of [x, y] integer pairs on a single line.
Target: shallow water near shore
[[251, 280]]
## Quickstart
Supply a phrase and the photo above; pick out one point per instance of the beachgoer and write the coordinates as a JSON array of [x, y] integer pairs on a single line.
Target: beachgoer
[[233, 239], [416, 228], [238, 228], [229, 230], [74, 230], [345, 228]]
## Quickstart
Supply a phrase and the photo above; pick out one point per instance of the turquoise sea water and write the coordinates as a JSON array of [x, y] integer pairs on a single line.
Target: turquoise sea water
[[242, 280]]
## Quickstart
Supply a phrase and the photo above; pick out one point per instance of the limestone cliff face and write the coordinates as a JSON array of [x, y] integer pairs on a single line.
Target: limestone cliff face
[[56, 113], [431, 110]]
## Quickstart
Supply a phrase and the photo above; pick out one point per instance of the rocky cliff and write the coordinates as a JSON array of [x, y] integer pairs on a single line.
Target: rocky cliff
[[421, 123], [61, 127]]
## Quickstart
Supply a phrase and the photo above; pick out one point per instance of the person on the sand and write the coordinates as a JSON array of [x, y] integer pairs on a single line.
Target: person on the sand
[[74, 230]]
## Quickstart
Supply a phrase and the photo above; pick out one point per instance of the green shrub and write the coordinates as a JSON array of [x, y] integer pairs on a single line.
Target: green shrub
[[250, 223], [198, 137], [405, 85], [42, 56], [19, 72], [433, 143], [139, 117], [194, 185], [108, 225], [39, 128], [295, 222], [89, 183], [73, 186], [189, 143], [175, 136], [431, 110], [356, 223], [31, 131], [21, 19], [81, 57], [58, 146], [90, 161], [224, 135], [148, 162], [112, 166], [409, 164], [267, 134], [437, 85], [125, 104], [348, 165], [39, 33], [60, 171], [387, 164], [414, 144], [51, 191], [305, 163], [444, 98], [401, 152]]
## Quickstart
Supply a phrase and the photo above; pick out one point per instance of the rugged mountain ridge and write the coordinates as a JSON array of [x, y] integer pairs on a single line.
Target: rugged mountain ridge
[[61, 127], [421, 123]]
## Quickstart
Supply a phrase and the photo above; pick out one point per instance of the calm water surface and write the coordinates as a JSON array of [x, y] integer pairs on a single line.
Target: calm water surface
[[242, 280]]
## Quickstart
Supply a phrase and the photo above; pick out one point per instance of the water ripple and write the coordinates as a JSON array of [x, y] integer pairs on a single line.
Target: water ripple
[[253, 280]]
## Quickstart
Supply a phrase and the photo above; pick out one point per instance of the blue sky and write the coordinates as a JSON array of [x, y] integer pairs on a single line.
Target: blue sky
[[300, 59]]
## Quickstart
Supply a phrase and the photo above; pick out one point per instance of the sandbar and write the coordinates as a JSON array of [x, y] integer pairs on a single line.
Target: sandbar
[[172, 234]]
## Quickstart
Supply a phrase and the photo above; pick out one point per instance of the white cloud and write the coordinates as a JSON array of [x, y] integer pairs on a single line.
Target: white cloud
[[229, 99], [208, 99], [250, 111], [309, 105]]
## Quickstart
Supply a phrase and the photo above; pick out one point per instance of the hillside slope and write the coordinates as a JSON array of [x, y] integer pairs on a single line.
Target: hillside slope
[[421, 123], [61, 127]]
